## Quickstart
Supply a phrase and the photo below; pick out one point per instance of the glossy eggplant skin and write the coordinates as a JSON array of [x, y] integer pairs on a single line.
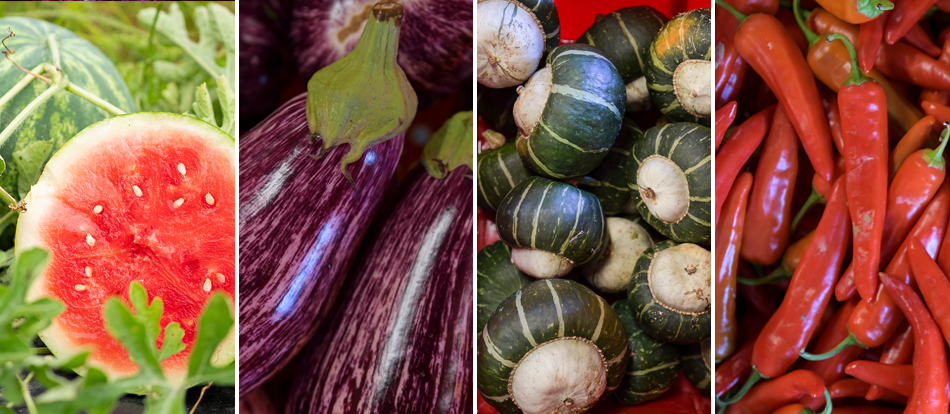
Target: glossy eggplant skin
[[301, 223], [401, 334]]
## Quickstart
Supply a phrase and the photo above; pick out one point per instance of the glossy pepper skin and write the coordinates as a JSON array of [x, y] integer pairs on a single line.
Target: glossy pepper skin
[[735, 369], [912, 141], [729, 234], [930, 360], [730, 66], [905, 15], [934, 286], [856, 11], [832, 369], [736, 152], [768, 216], [899, 378], [937, 96], [897, 350], [864, 127], [773, 394], [763, 41], [724, 118], [869, 41]]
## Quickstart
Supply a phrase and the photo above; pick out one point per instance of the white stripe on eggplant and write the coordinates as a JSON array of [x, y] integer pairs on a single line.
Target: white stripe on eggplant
[[585, 96], [271, 188], [525, 329], [557, 305]]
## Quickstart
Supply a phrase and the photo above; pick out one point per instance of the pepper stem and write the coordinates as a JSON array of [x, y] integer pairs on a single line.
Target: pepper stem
[[779, 274], [934, 157], [810, 36], [845, 343], [738, 15], [813, 199], [753, 379], [857, 77], [828, 406], [874, 8]]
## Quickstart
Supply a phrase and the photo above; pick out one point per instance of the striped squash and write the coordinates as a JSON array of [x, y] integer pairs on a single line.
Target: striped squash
[[697, 365], [497, 279], [653, 365], [570, 112], [671, 183], [65, 114], [612, 173], [540, 315], [670, 292], [546, 13], [511, 43], [495, 108], [681, 53], [554, 217], [625, 36], [499, 170], [627, 240]]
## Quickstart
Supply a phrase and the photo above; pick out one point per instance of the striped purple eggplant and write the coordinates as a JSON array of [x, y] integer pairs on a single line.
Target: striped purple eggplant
[[400, 338], [305, 205], [264, 59], [435, 48]]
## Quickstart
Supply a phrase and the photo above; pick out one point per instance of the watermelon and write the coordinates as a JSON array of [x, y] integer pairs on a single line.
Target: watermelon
[[147, 197], [65, 114]]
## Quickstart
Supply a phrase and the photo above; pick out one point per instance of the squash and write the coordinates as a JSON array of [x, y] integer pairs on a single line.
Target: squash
[[613, 193], [679, 69], [697, 365], [510, 43], [495, 108], [653, 365], [628, 240], [499, 170], [496, 279]]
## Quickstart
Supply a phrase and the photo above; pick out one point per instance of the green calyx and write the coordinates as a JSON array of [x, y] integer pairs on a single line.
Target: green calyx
[[857, 77], [450, 147], [364, 98], [934, 157], [810, 36], [874, 8]]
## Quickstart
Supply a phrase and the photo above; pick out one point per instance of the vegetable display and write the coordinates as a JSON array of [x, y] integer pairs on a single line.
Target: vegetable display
[[835, 292]]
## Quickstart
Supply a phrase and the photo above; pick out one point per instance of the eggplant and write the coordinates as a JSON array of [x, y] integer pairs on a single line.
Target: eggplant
[[305, 205], [435, 49], [400, 339], [264, 61]]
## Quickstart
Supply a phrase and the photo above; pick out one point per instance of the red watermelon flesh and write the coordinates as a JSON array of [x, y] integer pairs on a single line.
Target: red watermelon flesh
[[146, 197]]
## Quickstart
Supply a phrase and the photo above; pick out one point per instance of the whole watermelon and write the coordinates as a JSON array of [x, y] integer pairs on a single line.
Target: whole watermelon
[[65, 114]]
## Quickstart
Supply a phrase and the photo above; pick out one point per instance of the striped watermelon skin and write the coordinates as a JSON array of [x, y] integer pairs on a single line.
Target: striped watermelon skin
[[497, 279], [552, 308], [546, 12], [688, 36], [555, 217], [499, 170], [625, 36], [653, 365], [581, 117], [65, 114], [654, 318], [688, 146], [612, 173]]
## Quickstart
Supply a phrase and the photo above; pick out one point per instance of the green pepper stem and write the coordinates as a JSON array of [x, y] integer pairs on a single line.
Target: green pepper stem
[[828, 406], [845, 343], [813, 199], [777, 275], [810, 36], [738, 15], [857, 77], [753, 379], [936, 155]]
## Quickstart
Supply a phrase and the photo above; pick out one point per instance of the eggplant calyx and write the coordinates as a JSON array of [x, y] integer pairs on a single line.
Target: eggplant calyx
[[364, 98], [450, 147]]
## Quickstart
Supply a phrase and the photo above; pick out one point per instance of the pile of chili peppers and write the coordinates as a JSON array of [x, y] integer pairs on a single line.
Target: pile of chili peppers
[[832, 208]]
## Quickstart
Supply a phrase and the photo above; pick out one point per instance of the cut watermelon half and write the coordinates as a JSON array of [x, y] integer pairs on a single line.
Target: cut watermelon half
[[147, 197]]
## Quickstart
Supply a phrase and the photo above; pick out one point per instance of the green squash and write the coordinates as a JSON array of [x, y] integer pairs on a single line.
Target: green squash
[[625, 36], [653, 365], [697, 365], [612, 173], [679, 69], [496, 279], [499, 170]]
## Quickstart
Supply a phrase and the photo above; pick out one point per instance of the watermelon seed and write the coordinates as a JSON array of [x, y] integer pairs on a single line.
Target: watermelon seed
[[220, 278], [181, 168], [89, 240], [207, 285], [80, 288], [209, 199], [88, 271], [137, 190], [97, 209], [179, 201]]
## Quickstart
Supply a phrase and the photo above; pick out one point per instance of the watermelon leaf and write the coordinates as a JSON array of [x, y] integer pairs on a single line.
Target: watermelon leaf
[[172, 343], [29, 163], [171, 25], [213, 326], [133, 335]]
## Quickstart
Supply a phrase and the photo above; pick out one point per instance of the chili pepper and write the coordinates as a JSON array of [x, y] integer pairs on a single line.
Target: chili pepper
[[904, 16], [856, 11], [899, 378], [930, 360], [724, 118], [829, 101], [919, 39], [730, 66], [869, 41], [766, 45], [770, 202], [898, 61], [729, 234], [855, 388], [934, 286], [873, 323], [912, 141], [935, 95], [791, 258], [763, 301], [820, 191], [734, 369], [831, 370], [773, 394], [736, 150], [792, 325], [794, 31], [793, 409], [898, 350], [864, 126], [940, 112], [943, 256], [867, 409]]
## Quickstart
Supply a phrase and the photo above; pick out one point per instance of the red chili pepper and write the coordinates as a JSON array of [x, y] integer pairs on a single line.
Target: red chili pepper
[[943, 257], [796, 408], [899, 378], [791, 26], [940, 112], [912, 141], [829, 101], [930, 359], [729, 234], [869, 41], [855, 388], [773, 394], [770, 202], [873, 323], [935, 95], [820, 191], [765, 44], [898, 350], [918, 38], [730, 66], [898, 61], [866, 409], [831, 370], [734, 369], [934, 286], [736, 150], [793, 324], [760, 299], [864, 126], [856, 11], [724, 118], [904, 16]]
